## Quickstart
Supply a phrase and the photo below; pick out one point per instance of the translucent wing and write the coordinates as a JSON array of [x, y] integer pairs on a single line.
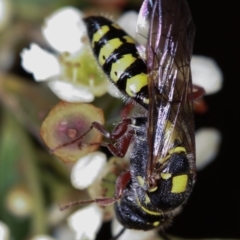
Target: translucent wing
[[166, 29]]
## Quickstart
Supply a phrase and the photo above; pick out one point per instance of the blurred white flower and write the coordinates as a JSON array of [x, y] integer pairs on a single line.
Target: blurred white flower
[[19, 201], [207, 146], [72, 72], [63, 232], [4, 231], [128, 22], [42, 237], [86, 222], [4, 13], [207, 74]]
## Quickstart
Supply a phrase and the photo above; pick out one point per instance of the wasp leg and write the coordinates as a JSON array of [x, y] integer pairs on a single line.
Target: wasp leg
[[127, 109], [119, 131], [198, 92], [121, 135], [116, 135], [121, 184], [199, 104]]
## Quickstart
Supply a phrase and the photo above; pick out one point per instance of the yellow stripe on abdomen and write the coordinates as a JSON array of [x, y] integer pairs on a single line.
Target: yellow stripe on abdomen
[[135, 84], [108, 49], [120, 66]]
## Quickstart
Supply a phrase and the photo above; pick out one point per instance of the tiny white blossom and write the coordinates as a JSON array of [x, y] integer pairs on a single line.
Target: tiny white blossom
[[87, 169], [86, 222], [207, 146], [4, 231], [40, 63]]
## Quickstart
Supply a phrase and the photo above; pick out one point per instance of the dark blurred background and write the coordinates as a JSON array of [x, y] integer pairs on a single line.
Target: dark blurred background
[[213, 209]]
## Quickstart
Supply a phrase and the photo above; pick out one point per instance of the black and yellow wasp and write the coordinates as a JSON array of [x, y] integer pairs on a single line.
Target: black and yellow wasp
[[156, 76]]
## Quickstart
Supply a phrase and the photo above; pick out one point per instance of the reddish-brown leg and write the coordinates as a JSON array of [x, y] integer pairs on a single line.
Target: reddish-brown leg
[[121, 184], [127, 109], [198, 92], [121, 135]]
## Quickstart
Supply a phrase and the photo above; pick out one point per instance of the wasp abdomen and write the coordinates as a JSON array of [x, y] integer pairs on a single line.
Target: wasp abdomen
[[117, 54]]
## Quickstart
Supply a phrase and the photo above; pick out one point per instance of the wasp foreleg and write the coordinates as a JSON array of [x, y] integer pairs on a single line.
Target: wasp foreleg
[[197, 92], [121, 184], [120, 134]]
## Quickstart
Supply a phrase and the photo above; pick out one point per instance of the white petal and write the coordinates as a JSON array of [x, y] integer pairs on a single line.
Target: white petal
[[64, 30], [39, 62], [128, 22], [87, 169], [132, 234], [4, 231], [42, 237], [70, 92], [207, 74], [86, 222], [207, 146]]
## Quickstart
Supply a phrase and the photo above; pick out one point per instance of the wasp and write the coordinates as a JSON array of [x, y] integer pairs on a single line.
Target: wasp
[[155, 76]]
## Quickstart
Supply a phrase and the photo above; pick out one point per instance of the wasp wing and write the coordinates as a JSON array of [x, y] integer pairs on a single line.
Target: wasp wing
[[168, 44]]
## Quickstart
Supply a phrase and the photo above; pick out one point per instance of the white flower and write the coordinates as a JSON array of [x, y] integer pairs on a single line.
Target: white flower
[[207, 74], [4, 13], [4, 231], [87, 169], [86, 222], [207, 146], [72, 72]]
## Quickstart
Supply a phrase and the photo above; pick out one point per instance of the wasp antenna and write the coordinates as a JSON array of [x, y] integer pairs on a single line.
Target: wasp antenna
[[75, 203], [65, 144], [74, 140]]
